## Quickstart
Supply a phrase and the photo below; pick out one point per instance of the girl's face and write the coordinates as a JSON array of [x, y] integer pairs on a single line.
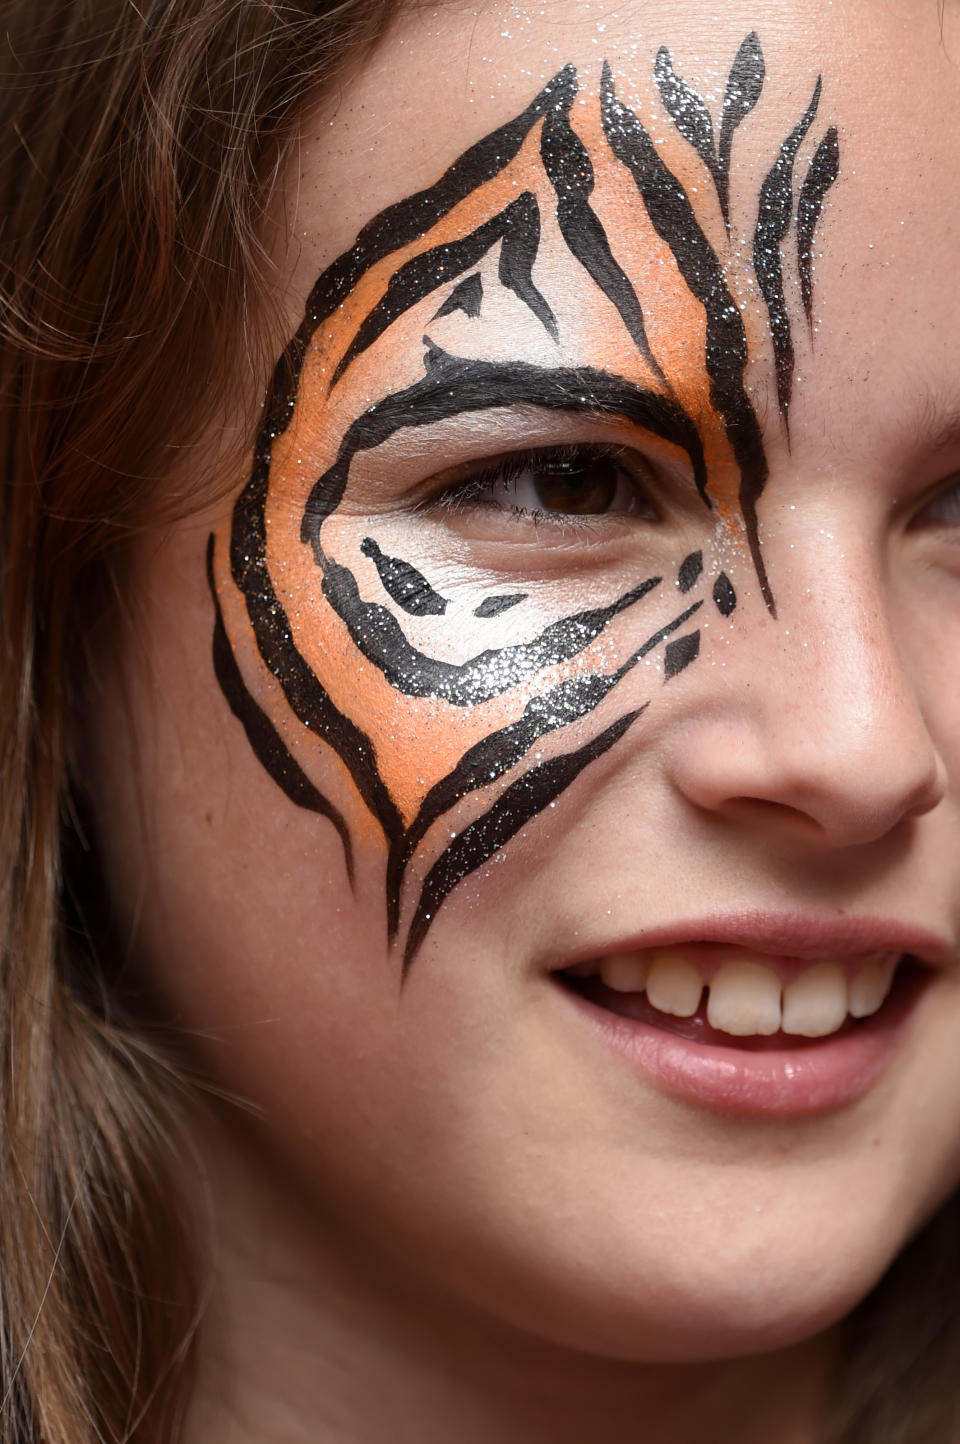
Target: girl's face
[[516, 784]]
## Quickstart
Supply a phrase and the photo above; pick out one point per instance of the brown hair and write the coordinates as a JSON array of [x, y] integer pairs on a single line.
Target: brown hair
[[140, 144]]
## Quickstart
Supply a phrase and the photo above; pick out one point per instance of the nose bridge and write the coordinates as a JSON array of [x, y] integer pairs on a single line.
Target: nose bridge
[[839, 670], [818, 713]]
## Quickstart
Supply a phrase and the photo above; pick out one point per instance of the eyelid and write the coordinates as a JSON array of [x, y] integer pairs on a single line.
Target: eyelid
[[468, 482], [410, 469]]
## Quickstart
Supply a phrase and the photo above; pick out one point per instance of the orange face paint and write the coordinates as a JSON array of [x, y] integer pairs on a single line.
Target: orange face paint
[[562, 265]]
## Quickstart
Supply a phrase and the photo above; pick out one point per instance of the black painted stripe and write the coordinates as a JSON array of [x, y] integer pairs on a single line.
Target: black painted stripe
[[518, 252], [267, 744], [680, 654], [744, 86], [402, 581], [724, 596], [690, 570], [773, 222], [303, 690], [672, 216], [494, 606], [687, 110], [824, 170], [466, 296], [522, 801], [570, 172]]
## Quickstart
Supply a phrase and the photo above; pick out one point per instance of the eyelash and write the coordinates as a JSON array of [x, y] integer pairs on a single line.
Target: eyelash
[[509, 471]]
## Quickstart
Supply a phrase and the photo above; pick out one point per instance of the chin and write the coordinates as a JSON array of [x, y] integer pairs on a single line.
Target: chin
[[625, 1275], [691, 1309]]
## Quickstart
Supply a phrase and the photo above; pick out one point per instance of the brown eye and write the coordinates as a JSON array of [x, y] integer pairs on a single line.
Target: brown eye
[[578, 482], [585, 488]]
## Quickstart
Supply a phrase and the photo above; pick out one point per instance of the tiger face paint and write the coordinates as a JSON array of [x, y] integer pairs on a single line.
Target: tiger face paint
[[575, 267]]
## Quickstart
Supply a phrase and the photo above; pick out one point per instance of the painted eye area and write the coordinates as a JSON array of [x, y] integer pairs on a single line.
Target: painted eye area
[[559, 483]]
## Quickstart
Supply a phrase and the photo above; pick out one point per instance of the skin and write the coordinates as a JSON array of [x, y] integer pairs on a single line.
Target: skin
[[449, 1213]]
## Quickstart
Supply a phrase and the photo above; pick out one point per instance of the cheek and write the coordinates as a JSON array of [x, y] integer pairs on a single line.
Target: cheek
[[244, 925], [924, 617], [456, 1120], [449, 726], [199, 840]]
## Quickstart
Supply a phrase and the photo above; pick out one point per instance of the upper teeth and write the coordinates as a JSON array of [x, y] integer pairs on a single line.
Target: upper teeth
[[747, 997]]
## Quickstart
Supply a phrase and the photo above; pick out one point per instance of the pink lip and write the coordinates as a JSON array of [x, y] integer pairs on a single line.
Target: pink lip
[[792, 935], [790, 1080]]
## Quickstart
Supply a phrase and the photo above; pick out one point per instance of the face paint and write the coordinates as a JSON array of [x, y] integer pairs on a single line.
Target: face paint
[[566, 259], [408, 587], [493, 606], [773, 222], [824, 169]]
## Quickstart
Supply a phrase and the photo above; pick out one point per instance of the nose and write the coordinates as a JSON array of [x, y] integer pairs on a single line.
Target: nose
[[814, 727]]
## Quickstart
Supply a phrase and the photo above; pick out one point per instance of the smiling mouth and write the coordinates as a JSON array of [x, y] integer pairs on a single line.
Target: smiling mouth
[[742, 1002]]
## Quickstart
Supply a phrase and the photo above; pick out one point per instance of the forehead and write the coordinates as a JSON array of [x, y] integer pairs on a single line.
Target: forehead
[[887, 304]]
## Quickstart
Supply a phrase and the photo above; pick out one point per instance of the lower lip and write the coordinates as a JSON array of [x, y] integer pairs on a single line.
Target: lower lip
[[813, 1077]]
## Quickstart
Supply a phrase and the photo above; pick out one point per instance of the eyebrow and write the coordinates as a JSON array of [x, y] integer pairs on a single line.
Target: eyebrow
[[453, 385]]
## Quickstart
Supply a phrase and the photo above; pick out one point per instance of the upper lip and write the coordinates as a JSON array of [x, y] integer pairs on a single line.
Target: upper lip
[[793, 935]]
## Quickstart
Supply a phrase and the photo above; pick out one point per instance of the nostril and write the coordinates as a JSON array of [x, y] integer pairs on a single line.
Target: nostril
[[931, 790], [776, 778], [825, 818], [759, 812]]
